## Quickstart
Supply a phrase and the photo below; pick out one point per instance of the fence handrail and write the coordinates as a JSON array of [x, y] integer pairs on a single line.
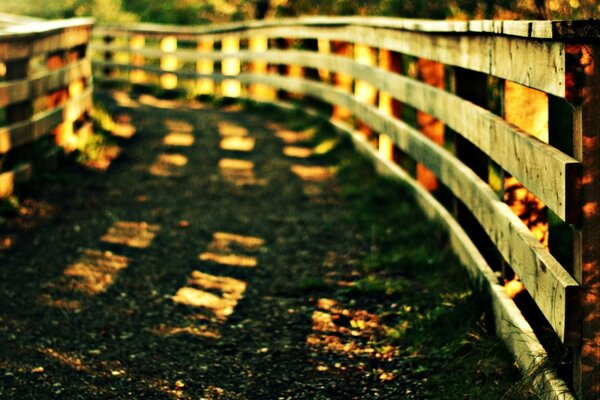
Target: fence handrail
[[533, 29]]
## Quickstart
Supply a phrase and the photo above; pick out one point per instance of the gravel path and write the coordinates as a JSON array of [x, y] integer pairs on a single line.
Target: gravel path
[[190, 270]]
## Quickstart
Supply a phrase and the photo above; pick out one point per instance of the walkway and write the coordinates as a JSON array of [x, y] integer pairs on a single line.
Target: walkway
[[192, 269]]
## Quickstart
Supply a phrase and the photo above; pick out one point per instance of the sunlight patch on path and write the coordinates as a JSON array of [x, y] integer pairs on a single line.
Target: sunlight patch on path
[[178, 125], [291, 137], [131, 234], [214, 298], [93, 273], [217, 294], [312, 173], [237, 143], [297, 152], [239, 172], [168, 165], [227, 129], [179, 139], [349, 332], [228, 248]]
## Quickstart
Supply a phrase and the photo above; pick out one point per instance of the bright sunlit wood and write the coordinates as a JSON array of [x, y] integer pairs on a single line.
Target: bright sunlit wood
[[137, 42], [205, 85], [257, 90], [168, 62], [231, 67]]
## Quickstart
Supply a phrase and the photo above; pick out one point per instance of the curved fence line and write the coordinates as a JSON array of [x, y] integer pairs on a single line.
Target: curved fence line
[[497, 118]]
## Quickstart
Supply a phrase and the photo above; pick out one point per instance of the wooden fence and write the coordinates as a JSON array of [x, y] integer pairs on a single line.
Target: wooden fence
[[495, 124], [45, 90]]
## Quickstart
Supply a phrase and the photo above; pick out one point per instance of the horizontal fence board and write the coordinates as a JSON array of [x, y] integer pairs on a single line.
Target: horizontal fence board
[[534, 63], [547, 172], [26, 43], [537, 64], [13, 50], [42, 123], [539, 29], [17, 91], [63, 40]]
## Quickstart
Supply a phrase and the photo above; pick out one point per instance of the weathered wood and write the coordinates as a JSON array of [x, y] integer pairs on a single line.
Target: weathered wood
[[538, 64], [21, 90], [586, 148], [41, 124], [557, 30]]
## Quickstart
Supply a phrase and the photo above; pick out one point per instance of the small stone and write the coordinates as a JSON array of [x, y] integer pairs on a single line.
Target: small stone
[[37, 370]]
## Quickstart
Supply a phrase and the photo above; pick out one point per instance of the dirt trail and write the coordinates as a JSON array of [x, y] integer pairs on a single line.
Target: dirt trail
[[185, 272]]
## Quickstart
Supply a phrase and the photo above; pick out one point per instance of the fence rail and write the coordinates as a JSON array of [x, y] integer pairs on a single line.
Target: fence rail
[[498, 119], [45, 89]]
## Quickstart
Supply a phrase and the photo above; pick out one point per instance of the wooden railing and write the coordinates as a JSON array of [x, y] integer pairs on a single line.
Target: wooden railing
[[45, 90], [497, 120]]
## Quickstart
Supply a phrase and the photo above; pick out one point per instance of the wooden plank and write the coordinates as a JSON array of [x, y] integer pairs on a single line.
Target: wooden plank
[[40, 124], [557, 30], [511, 326], [41, 28], [62, 40], [17, 91], [14, 49], [586, 136]]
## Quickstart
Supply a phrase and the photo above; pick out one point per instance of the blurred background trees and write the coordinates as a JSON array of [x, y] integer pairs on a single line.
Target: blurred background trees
[[188, 12]]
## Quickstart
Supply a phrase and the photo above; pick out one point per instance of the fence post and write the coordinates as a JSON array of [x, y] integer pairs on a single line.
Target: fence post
[[364, 91], [205, 67], [431, 73], [392, 62], [137, 42], [260, 91], [583, 64], [341, 80], [168, 62], [231, 67]]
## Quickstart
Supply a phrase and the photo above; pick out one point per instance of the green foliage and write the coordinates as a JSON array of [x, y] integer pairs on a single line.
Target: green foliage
[[196, 12]]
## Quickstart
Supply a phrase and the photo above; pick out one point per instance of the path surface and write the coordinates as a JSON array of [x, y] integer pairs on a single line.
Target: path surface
[[183, 271]]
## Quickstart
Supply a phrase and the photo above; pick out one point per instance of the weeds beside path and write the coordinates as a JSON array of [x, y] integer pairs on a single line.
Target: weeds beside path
[[221, 258]]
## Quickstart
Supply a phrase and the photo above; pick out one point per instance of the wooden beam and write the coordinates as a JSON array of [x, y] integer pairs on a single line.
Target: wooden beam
[[586, 146]]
